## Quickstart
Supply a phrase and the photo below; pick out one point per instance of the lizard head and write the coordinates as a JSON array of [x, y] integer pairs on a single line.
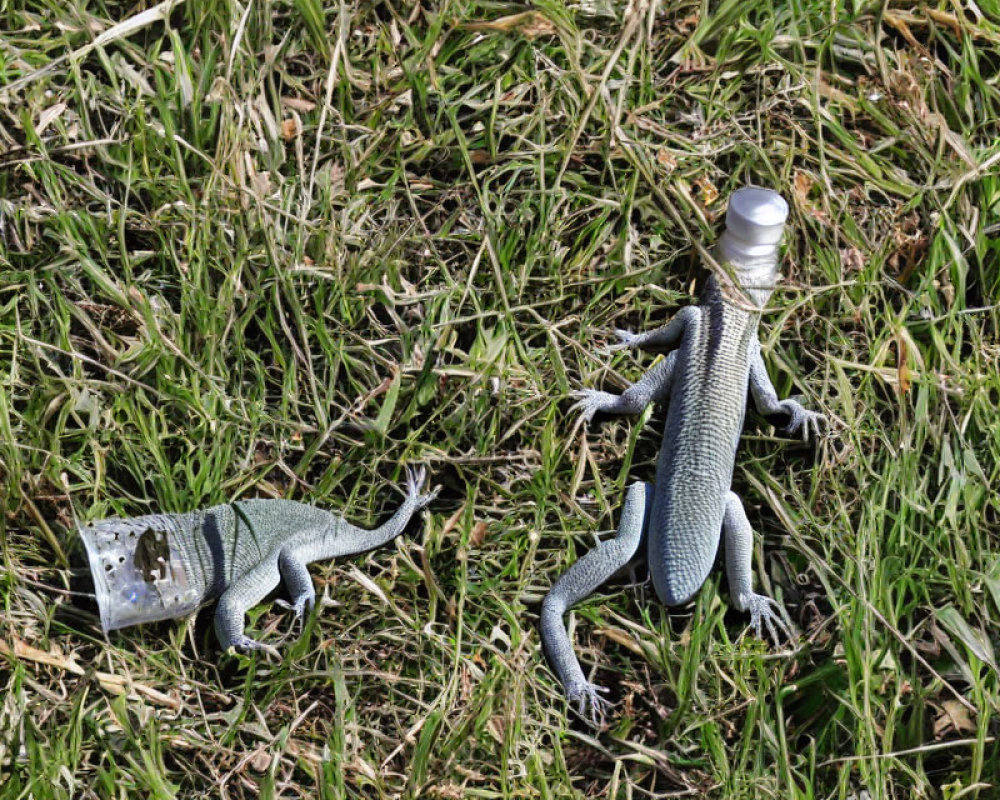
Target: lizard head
[[755, 221]]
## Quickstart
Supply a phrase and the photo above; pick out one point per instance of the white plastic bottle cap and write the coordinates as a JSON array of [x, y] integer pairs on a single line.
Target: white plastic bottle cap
[[756, 216]]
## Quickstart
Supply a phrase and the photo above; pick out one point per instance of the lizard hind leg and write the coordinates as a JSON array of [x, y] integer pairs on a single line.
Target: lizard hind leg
[[242, 594], [578, 582], [298, 584], [739, 568]]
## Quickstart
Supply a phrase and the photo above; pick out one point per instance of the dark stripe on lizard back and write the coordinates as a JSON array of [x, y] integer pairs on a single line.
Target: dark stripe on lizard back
[[716, 326]]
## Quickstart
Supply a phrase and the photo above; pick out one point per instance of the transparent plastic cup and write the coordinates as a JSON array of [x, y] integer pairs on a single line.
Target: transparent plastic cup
[[138, 570]]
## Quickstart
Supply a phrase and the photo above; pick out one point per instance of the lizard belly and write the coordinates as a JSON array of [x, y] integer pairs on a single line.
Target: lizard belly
[[694, 475]]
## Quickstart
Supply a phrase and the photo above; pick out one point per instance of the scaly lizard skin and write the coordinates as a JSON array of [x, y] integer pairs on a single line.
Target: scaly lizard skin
[[163, 566], [704, 382]]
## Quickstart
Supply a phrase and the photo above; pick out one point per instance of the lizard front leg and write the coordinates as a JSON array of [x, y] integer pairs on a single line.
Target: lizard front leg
[[739, 569], [579, 581], [298, 583], [244, 593], [766, 400], [654, 385], [658, 339]]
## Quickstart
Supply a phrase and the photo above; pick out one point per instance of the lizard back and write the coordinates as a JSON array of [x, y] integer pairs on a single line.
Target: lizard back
[[695, 467]]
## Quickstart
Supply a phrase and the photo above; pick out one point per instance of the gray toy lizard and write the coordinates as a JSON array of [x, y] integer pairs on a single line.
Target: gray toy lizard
[[164, 566], [704, 381]]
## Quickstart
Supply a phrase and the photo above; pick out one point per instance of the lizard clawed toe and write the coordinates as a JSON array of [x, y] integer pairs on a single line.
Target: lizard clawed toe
[[802, 419], [244, 644], [818, 422], [626, 340], [767, 612], [299, 608], [589, 703], [589, 402], [415, 478]]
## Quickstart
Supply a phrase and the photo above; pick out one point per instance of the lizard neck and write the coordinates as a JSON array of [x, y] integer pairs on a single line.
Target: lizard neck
[[720, 292]]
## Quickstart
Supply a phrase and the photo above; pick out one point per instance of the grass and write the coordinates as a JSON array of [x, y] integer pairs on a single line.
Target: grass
[[281, 249]]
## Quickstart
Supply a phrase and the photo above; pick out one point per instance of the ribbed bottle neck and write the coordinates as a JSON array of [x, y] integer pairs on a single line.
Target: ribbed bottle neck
[[750, 270], [746, 254]]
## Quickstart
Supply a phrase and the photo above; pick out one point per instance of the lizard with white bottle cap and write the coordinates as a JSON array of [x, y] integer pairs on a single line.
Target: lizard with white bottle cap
[[704, 381]]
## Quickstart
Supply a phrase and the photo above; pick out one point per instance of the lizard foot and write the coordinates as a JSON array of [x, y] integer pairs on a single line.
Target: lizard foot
[[299, 608], [590, 401], [589, 703], [809, 422], [626, 340], [765, 611], [415, 478], [244, 644]]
